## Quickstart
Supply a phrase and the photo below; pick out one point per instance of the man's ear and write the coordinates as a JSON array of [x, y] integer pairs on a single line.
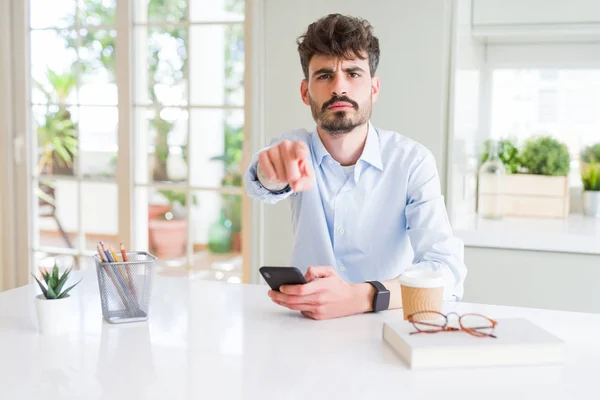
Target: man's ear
[[304, 91], [375, 84]]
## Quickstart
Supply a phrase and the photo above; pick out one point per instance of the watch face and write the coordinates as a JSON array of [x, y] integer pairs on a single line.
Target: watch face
[[382, 301]]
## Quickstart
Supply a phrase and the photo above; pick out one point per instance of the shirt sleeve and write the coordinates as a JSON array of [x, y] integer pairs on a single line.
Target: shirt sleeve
[[435, 248], [253, 185]]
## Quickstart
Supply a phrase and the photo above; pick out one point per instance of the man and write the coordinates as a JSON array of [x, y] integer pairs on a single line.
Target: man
[[361, 197]]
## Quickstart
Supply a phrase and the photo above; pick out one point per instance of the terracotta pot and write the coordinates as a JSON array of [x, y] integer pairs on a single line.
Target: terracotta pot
[[156, 210], [236, 242], [168, 238]]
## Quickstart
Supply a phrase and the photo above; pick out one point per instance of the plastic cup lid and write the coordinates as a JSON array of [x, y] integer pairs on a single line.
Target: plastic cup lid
[[422, 279]]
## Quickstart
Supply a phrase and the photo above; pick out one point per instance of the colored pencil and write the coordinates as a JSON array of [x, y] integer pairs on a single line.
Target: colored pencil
[[124, 257]]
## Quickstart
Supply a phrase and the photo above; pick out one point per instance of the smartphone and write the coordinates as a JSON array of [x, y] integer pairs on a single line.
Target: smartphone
[[277, 276]]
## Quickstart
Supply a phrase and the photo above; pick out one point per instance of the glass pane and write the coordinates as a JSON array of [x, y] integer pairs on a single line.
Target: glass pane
[[160, 11], [58, 214], [53, 72], [161, 144], [97, 12], [219, 80], [86, 262], [216, 232], [563, 103], [161, 57], [55, 128], [221, 10], [100, 214], [97, 55], [216, 147], [168, 225], [52, 14], [99, 142]]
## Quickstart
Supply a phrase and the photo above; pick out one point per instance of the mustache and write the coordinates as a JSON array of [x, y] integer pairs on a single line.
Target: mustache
[[335, 99]]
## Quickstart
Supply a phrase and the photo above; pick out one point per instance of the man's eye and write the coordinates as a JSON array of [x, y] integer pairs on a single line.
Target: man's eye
[[324, 76], [354, 75]]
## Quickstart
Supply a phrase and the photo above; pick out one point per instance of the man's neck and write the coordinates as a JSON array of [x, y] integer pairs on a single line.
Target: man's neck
[[346, 148]]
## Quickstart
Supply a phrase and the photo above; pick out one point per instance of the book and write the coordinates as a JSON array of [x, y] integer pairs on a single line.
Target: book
[[518, 342]]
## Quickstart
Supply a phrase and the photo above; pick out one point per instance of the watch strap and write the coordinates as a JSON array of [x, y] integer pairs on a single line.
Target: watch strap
[[378, 285], [381, 299]]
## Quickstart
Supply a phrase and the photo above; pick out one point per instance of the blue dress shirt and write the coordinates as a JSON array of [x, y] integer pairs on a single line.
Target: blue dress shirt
[[375, 221]]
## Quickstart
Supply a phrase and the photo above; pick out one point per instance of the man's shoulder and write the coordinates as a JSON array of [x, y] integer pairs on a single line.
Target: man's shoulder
[[301, 134], [398, 145]]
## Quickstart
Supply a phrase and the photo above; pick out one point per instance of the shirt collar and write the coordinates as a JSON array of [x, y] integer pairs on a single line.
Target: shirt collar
[[371, 152]]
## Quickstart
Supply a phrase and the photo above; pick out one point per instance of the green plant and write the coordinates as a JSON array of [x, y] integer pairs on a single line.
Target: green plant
[[57, 139], [591, 154], [231, 158], [57, 136], [546, 156], [591, 177], [507, 152], [55, 283]]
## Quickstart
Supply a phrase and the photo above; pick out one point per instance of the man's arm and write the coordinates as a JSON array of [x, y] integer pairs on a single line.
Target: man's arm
[[278, 170], [327, 295], [435, 248]]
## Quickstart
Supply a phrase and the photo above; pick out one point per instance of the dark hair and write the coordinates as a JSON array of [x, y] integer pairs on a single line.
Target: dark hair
[[339, 36]]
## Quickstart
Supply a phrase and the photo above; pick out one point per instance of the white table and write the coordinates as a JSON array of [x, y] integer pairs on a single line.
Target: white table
[[209, 340]]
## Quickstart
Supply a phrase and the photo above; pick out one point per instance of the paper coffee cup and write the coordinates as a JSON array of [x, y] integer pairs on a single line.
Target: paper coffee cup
[[422, 291]]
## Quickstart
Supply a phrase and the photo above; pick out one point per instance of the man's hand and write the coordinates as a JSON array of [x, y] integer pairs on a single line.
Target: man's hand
[[325, 295], [288, 162]]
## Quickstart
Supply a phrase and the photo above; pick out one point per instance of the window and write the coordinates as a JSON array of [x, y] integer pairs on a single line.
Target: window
[[187, 114], [564, 103]]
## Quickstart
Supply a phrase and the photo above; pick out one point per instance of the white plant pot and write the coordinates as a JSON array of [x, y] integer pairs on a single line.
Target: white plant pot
[[591, 203], [54, 316]]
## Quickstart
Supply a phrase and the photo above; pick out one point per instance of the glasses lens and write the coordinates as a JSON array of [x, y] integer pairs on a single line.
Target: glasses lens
[[428, 321], [477, 324]]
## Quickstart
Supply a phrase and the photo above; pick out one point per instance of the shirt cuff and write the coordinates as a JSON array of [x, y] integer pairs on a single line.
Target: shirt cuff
[[274, 187]]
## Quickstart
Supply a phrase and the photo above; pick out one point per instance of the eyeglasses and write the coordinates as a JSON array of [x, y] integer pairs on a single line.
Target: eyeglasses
[[474, 324]]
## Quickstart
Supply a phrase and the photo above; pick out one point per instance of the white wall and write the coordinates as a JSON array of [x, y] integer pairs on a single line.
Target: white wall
[[414, 39], [469, 59], [558, 281]]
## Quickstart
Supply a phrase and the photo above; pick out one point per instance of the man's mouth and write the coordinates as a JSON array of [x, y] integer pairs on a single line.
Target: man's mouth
[[339, 105]]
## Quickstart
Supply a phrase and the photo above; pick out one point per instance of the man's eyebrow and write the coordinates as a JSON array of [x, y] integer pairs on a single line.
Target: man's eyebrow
[[323, 71], [353, 69], [327, 70]]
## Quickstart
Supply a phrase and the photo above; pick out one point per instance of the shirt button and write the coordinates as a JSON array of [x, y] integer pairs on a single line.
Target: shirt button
[[341, 231], [342, 268]]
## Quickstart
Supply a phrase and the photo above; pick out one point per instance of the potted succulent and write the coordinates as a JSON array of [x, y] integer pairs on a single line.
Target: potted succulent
[[53, 306], [590, 177]]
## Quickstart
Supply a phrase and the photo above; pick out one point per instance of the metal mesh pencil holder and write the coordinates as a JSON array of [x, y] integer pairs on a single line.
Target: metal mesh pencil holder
[[125, 287]]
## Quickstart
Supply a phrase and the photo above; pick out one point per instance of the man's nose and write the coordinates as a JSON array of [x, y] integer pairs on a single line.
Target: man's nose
[[339, 87]]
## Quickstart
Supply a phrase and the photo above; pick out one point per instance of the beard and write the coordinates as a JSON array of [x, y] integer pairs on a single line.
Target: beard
[[337, 123]]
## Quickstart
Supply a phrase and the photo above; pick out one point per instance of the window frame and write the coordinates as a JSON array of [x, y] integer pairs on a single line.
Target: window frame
[[529, 55], [20, 235]]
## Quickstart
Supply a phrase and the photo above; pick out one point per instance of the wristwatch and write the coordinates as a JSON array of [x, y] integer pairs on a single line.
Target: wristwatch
[[381, 300]]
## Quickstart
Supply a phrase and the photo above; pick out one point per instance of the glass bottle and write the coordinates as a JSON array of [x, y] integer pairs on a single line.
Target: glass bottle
[[219, 235], [492, 177]]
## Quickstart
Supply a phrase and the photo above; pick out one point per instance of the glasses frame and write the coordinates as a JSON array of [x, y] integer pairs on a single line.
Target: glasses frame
[[473, 331]]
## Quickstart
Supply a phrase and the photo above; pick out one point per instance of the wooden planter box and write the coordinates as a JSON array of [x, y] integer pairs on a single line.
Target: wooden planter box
[[527, 195]]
